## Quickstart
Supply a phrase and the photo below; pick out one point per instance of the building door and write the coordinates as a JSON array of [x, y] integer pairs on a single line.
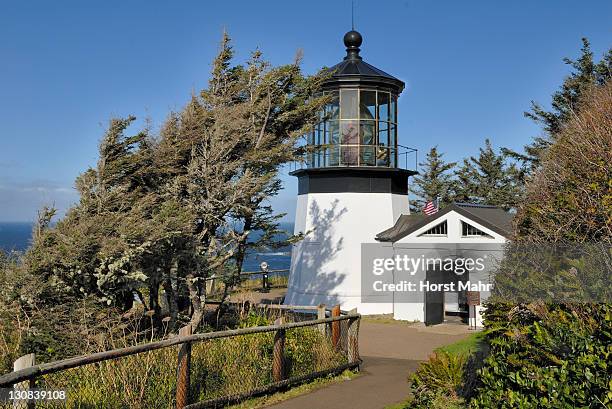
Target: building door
[[434, 300]]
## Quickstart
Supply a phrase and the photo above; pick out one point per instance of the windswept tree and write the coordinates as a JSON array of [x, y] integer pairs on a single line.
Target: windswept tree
[[160, 215], [239, 131]]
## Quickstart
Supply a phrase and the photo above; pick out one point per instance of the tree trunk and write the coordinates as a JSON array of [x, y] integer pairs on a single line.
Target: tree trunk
[[172, 302], [154, 303], [198, 302]]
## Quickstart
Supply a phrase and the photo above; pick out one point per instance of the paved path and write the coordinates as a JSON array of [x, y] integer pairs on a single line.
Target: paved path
[[389, 352]]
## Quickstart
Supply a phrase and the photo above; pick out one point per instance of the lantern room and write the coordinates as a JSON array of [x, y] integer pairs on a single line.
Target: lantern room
[[358, 128]]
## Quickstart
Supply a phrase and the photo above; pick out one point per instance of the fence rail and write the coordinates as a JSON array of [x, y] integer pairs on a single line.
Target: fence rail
[[340, 330]]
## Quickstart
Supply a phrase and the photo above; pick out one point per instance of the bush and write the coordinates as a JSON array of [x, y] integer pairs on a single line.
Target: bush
[[547, 356], [437, 382], [37, 318]]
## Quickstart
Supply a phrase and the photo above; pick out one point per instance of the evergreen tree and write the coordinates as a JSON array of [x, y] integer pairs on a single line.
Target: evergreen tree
[[569, 199], [585, 73], [488, 179], [434, 180], [464, 188]]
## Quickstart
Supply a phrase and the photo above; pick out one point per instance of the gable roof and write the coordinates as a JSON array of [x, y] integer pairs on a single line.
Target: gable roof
[[491, 217]]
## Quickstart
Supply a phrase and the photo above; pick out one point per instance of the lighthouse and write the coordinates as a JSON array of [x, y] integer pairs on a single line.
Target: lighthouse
[[350, 187]]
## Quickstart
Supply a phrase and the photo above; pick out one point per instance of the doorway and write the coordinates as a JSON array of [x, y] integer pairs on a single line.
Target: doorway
[[434, 300], [443, 306]]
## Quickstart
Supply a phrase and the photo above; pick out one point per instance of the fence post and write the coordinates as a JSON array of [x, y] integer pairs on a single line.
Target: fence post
[[353, 338], [278, 353], [24, 362], [183, 370], [336, 326], [321, 315]]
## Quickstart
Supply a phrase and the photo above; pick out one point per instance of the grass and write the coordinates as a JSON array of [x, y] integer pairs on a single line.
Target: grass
[[385, 319], [219, 367], [466, 346], [294, 392], [440, 402], [400, 405]]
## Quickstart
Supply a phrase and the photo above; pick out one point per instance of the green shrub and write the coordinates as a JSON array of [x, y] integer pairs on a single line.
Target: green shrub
[[547, 356], [438, 381]]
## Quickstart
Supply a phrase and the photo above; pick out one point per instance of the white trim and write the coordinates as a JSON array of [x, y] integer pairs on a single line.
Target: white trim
[[453, 233]]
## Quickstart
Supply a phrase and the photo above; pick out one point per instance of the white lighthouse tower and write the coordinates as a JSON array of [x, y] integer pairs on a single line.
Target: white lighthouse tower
[[351, 188]]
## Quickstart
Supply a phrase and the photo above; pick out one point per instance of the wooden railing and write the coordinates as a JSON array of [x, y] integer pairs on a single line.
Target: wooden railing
[[341, 328]]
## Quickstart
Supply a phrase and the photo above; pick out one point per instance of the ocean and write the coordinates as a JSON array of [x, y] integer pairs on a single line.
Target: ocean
[[16, 237]]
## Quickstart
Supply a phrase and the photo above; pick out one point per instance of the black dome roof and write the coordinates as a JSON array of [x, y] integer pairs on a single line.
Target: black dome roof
[[354, 71]]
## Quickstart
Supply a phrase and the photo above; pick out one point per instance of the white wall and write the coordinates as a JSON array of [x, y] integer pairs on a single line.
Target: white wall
[[326, 265]]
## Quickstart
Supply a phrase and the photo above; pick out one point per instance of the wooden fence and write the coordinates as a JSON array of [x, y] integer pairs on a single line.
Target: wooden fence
[[341, 328]]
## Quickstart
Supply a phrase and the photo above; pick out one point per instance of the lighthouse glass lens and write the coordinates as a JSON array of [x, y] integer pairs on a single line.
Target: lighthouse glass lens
[[348, 104], [367, 105], [350, 155], [367, 156], [366, 132], [350, 132], [358, 128]]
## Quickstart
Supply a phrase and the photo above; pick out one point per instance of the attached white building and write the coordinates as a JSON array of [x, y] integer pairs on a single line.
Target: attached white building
[[461, 230]]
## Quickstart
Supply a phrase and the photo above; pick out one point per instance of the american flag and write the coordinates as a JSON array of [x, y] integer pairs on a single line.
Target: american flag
[[431, 208]]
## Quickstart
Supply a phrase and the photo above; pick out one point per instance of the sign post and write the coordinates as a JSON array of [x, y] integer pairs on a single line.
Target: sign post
[[473, 299]]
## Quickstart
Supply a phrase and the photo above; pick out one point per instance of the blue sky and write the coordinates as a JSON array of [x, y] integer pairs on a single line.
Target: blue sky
[[471, 68]]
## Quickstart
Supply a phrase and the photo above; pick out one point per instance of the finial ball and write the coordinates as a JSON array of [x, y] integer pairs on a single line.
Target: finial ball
[[352, 39]]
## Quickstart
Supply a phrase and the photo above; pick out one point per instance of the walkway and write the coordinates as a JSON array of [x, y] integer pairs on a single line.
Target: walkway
[[389, 352]]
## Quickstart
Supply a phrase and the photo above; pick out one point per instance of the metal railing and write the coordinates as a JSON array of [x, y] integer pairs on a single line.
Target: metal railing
[[343, 156], [209, 370], [265, 284]]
